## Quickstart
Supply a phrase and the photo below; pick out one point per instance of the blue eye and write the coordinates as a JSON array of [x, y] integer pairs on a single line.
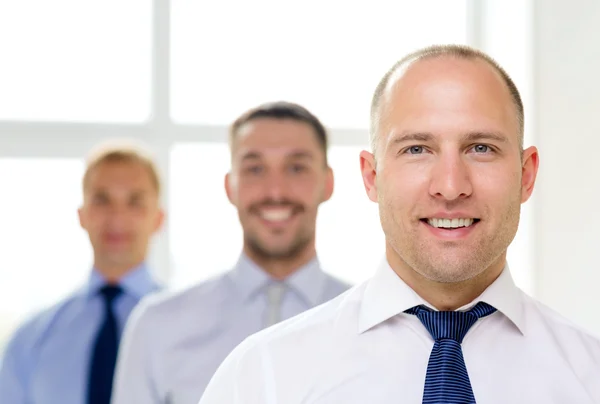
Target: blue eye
[[415, 150], [481, 148]]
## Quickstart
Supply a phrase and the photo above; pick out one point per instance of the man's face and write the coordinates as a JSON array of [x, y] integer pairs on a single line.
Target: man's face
[[278, 179], [449, 178], [120, 212]]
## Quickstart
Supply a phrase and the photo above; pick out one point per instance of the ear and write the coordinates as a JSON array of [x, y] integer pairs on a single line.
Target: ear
[[369, 174], [81, 216], [160, 220], [228, 187], [329, 184], [531, 162]]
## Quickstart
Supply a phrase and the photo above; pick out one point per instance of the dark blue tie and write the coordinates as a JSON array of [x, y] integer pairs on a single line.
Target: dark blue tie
[[104, 354], [447, 380]]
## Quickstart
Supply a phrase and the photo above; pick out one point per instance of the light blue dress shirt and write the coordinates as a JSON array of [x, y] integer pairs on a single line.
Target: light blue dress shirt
[[174, 342], [47, 360]]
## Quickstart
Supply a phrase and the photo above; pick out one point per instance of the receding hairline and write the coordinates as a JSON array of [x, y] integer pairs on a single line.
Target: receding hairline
[[439, 51], [122, 152]]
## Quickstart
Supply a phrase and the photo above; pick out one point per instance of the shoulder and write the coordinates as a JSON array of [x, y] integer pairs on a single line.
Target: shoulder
[[174, 308], [165, 301], [574, 340], [554, 319], [34, 330]]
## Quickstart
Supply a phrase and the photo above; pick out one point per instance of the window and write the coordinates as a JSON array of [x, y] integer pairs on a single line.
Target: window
[[45, 253], [74, 60], [206, 236], [318, 54]]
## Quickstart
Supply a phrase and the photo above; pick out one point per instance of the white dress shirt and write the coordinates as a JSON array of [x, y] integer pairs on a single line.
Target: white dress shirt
[[174, 342], [362, 348]]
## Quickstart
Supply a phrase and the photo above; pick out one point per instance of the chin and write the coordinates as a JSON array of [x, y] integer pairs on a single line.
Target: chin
[[280, 249], [452, 277], [452, 273], [456, 269], [119, 258]]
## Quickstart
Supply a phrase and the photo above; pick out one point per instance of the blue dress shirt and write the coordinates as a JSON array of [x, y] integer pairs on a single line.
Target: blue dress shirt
[[48, 358], [174, 342]]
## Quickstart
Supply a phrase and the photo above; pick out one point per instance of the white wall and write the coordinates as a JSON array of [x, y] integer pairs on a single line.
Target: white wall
[[567, 107]]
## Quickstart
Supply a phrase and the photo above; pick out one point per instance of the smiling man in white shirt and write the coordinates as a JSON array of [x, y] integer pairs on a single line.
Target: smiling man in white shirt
[[441, 321]]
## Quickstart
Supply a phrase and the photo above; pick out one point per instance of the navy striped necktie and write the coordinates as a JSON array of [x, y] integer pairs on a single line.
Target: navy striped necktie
[[447, 380], [104, 354]]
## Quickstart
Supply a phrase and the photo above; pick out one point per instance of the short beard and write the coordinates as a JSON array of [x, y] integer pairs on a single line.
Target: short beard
[[460, 268], [294, 250]]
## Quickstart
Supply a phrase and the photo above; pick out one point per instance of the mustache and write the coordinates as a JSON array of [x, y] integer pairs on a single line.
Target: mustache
[[271, 203]]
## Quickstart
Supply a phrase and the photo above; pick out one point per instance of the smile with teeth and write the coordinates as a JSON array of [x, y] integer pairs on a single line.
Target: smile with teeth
[[451, 223], [276, 215]]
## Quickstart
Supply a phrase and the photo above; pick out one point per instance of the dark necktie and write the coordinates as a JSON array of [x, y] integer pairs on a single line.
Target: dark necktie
[[104, 354], [447, 380]]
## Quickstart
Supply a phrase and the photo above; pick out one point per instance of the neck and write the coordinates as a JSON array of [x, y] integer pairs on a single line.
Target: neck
[[445, 296], [281, 268], [114, 272]]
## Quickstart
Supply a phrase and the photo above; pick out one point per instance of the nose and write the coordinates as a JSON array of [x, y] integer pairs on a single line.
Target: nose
[[118, 215], [451, 179], [276, 186]]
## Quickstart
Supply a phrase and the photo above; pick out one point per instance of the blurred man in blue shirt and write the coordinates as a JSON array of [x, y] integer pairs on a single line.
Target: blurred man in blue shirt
[[279, 177], [67, 353]]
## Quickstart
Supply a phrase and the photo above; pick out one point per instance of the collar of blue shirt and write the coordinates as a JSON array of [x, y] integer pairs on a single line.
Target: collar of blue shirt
[[309, 281], [387, 295], [138, 282]]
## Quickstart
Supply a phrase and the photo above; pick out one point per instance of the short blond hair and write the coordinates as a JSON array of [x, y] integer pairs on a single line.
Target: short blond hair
[[122, 151]]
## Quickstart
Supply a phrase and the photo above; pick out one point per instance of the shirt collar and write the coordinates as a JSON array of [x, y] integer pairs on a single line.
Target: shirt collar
[[387, 295], [308, 281], [137, 282]]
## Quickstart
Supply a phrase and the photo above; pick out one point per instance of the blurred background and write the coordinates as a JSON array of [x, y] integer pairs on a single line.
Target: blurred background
[[175, 73]]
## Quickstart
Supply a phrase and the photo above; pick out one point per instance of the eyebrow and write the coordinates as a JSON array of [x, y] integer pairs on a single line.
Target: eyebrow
[[469, 137], [135, 192], [252, 155], [297, 154], [300, 155], [412, 136], [497, 136]]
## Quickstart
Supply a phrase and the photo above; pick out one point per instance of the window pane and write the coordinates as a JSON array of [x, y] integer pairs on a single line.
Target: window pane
[[75, 60], [320, 55], [45, 253]]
